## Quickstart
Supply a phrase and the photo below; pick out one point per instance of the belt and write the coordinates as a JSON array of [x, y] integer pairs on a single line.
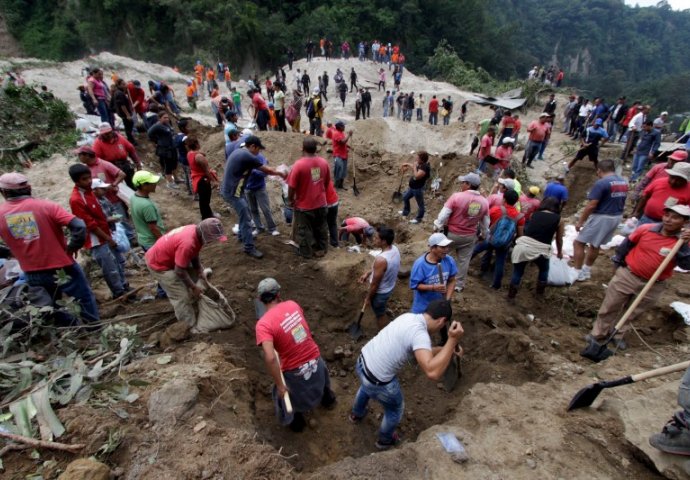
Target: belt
[[369, 376]]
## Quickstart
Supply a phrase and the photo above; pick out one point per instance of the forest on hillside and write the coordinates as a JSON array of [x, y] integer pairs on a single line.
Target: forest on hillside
[[603, 45]]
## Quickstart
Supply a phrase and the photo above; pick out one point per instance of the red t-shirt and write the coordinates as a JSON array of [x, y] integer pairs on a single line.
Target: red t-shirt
[[657, 171], [538, 131], [517, 127], [331, 194], [309, 177], [259, 102], [137, 95], [661, 193], [528, 205], [32, 229], [117, 150], [108, 173], [329, 133], [485, 147], [285, 326], [176, 248], [468, 209], [632, 111], [339, 148], [197, 173], [649, 251], [504, 154], [495, 214], [84, 205], [508, 122], [355, 224], [433, 105]]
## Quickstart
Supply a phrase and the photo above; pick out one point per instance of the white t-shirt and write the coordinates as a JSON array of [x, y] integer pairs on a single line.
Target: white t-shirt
[[393, 346], [637, 121]]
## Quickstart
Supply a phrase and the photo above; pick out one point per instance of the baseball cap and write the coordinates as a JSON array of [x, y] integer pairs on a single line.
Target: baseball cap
[[85, 149], [439, 240], [440, 308], [137, 83], [663, 113], [508, 140], [509, 183], [316, 91], [680, 169], [683, 210], [98, 183], [142, 176], [13, 181], [369, 231], [254, 140], [339, 123], [534, 190], [598, 121], [104, 127], [471, 178], [212, 231], [560, 176], [679, 156], [544, 115], [268, 285]]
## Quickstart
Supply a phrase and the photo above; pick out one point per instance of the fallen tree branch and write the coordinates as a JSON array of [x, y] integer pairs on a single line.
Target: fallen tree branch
[[125, 296], [64, 447], [13, 447]]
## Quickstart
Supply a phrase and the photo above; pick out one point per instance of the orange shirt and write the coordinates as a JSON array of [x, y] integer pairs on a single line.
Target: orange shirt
[[394, 58], [210, 74], [190, 90], [228, 76]]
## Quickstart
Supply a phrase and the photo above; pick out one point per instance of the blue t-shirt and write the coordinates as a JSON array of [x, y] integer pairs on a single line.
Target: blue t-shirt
[[611, 191], [427, 273], [595, 134], [556, 190], [257, 179], [237, 169]]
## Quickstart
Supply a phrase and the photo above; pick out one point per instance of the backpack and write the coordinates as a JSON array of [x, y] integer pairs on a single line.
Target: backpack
[[503, 232], [311, 108]]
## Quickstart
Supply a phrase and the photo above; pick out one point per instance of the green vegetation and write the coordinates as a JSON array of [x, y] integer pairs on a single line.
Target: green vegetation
[[603, 45], [26, 118]]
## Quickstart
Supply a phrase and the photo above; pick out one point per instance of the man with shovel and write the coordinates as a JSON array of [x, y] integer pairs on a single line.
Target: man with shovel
[[292, 357], [675, 437], [385, 354], [638, 258]]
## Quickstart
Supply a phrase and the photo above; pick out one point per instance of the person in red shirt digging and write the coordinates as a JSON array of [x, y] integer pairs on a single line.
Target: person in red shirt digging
[[664, 192], [289, 350], [637, 259], [99, 240]]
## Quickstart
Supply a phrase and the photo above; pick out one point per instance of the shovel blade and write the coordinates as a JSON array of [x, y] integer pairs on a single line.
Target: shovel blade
[[355, 331], [596, 352], [397, 197], [585, 397], [355, 190], [450, 376]]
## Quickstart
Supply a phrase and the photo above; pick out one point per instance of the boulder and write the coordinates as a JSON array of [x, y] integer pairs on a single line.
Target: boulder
[[86, 469], [172, 401]]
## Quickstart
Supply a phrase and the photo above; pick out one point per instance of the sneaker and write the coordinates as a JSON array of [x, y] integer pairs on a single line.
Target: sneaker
[[255, 232], [584, 275], [385, 445], [172, 186], [414, 221], [255, 254], [354, 418], [275, 233], [674, 438], [530, 166], [400, 212]]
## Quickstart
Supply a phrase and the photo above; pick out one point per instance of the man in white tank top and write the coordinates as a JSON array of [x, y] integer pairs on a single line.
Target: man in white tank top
[[383, 274]]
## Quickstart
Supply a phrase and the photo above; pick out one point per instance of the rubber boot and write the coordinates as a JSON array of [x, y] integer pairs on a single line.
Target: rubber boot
[[541, 288], [512, 293]]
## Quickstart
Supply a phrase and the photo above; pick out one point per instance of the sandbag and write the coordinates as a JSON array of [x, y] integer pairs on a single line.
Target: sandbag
[[560, 273], [215, 313]]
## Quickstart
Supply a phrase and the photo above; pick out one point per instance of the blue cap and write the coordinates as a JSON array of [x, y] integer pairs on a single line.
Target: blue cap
[[598, 121]]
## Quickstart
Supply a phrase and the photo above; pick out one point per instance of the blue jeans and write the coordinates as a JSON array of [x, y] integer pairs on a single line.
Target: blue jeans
[[446, 119], [76, 287], [245, 221], [379, 302], [112, 265], [499, 266], [519, 270], [258, 199], [418, 195], [339, 169], [433, 118], [171, 101], [389, 396], [103, 110], [639, 162]]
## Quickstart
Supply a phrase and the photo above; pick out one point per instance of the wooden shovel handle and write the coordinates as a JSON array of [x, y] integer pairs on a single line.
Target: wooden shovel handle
[[650, 284], [286, 398], [661, 371]]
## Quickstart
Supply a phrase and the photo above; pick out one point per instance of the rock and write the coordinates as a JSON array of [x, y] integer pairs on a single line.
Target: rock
[[154, 338], [342, 373], [313, 423], [338, 352], [172, 401], [199, 426], [459, 457], [347, 353], [510, 322], [531, 463], [555, 344], [85, 469], [178, 331]]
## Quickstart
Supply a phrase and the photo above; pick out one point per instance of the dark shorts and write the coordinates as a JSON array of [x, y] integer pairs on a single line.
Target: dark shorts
[[379, 302], [592, 152], [168, 162]]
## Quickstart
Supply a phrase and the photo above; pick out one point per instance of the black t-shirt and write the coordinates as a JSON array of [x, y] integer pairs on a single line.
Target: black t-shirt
[[542, 226], [419, 183], [238, 167]]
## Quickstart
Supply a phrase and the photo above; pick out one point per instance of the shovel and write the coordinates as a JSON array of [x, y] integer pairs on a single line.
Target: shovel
[[355, 328], [597, 352], [586, 396], [450, 376], [355, 190], [398, 196]]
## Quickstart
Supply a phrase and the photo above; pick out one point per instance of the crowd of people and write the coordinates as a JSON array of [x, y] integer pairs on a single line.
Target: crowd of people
[[510, 224]]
